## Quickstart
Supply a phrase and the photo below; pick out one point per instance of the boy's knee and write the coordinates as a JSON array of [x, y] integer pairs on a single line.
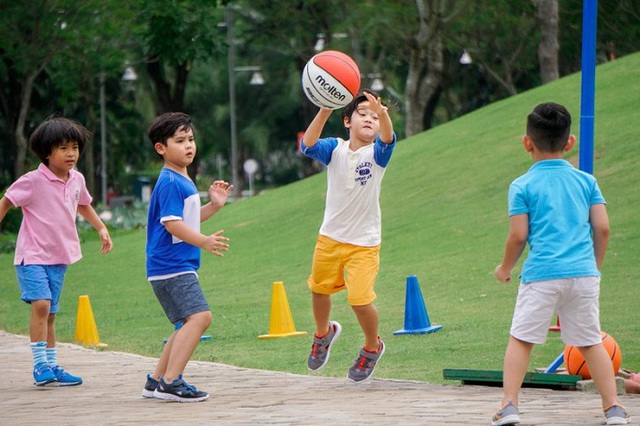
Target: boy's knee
[[41, 308], [202, 318]]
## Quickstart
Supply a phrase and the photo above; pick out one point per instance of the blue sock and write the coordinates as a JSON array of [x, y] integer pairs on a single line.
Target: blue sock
[[39, 353], [52, 357]]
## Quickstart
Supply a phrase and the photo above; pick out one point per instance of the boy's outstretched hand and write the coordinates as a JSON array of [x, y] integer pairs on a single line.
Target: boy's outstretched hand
[[219, 192], [375, 104], [216, 243], [105, 238]]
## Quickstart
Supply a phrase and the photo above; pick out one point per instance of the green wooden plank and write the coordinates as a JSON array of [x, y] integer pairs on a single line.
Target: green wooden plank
[[468, 376]]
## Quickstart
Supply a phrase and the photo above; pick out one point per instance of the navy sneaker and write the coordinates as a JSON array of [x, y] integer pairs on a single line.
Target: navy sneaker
[[149, 387], [65, 379], [43, 374], [179, 391]]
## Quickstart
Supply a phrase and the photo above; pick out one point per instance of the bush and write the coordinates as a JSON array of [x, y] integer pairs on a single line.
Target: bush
[[11, 222]]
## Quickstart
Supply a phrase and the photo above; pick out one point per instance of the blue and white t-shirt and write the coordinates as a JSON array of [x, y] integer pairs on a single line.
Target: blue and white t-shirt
[[557, 197], [174, 197], [352, 212]]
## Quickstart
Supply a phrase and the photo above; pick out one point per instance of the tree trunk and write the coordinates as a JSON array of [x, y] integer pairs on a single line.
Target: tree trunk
[[426, 67], [166, 101], [20, 138], [547, 14]]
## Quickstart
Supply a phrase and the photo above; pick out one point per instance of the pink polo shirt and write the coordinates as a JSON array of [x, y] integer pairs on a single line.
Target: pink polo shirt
[[48, 233]]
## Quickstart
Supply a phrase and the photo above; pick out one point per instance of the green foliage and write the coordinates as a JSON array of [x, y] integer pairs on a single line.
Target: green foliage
[[11, 222], [444, 203]]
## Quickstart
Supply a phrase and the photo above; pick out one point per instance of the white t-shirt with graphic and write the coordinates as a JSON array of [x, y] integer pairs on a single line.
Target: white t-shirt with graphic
[[352, 212]]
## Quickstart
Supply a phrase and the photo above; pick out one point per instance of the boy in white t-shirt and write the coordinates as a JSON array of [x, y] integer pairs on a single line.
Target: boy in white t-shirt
[[50, 198], [347, 250]]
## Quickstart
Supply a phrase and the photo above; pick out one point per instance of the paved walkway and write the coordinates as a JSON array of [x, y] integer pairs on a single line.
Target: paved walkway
[[110, 395]]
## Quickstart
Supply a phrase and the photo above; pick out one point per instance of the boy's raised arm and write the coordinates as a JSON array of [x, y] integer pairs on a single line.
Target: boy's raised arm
[[313, 132]]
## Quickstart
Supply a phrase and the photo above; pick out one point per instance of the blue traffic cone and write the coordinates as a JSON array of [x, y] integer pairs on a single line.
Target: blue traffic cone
[[416, 318]]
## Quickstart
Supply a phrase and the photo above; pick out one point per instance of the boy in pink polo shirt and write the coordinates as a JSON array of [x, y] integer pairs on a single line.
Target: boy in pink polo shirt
[[50, 198]]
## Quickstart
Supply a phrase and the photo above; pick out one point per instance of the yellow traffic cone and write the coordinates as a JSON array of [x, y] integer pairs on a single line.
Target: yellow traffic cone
[[281, 323], [86, 330]]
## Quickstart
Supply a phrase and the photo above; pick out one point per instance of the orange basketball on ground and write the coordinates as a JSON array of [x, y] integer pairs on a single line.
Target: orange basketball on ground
[[575, 363], [331, 79]]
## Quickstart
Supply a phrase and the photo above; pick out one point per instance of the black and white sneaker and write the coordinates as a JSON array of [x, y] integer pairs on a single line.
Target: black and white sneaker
[[179, 391], [149, 387]]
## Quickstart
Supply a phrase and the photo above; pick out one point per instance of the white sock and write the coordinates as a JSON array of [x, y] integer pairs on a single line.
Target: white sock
[[52, 357], [38, 349]]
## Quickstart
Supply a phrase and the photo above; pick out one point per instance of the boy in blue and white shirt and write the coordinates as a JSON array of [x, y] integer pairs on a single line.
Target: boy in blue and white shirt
[[173, 248]]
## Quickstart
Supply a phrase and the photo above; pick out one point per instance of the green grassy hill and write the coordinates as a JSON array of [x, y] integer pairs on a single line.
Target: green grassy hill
[[444, 202]]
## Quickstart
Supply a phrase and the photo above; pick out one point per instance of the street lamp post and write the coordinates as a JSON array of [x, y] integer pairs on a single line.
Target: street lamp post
[[256, 79], [128, 76], [231, 53]]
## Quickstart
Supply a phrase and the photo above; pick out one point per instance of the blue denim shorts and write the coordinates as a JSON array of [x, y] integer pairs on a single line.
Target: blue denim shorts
[[180, 297], [41, 282]]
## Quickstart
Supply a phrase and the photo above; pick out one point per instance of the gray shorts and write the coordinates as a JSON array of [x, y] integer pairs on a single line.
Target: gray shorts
[[180, 296]]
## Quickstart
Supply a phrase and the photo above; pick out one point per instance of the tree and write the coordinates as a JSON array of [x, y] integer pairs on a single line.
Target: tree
[[40, 76], [548, 20], [426, 63], [29, 39]]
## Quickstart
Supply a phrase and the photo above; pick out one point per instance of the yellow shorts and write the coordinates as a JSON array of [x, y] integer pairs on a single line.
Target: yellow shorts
[[338, 266]]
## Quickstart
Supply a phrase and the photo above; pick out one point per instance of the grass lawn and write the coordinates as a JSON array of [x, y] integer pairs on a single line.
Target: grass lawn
[[444, 203]]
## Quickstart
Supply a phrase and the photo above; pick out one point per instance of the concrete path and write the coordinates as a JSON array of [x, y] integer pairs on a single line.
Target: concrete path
[[110, 395]]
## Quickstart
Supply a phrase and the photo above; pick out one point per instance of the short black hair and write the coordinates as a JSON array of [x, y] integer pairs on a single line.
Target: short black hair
[[549, 126], [164, 126], [353, 105], [55, 131]]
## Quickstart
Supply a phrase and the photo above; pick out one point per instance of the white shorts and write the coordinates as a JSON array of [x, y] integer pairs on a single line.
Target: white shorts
[[575, 300]]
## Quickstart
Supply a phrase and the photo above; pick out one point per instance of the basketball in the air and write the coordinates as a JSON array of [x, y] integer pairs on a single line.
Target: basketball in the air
[[575, 364], [331, 79]]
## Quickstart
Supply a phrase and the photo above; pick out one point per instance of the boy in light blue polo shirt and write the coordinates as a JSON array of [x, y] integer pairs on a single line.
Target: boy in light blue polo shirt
[[560, 212]]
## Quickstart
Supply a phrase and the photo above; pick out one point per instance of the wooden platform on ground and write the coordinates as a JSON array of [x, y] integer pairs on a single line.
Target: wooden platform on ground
[[494, 378]]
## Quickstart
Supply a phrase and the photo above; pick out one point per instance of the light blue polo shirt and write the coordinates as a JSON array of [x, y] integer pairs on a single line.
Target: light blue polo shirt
[[557, 197]]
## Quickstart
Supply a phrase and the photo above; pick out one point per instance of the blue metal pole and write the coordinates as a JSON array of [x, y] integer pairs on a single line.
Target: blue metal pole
[[589, 24]]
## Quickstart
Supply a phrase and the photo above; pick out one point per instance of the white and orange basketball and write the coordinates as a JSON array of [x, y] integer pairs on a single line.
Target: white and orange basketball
[[331, 79]]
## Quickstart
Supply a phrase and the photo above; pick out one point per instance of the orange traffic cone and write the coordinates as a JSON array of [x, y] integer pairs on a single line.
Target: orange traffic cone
[[86, 330], [281, 323]]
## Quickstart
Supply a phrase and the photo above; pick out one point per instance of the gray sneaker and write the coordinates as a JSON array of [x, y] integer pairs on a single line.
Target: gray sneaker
[[322, 346], [508, 415], [616, 415], [362, 369]]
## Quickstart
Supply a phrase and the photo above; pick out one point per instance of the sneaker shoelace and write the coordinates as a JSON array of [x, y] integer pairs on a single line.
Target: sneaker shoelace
[[317, 344], [364, 362], [189, 387]]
